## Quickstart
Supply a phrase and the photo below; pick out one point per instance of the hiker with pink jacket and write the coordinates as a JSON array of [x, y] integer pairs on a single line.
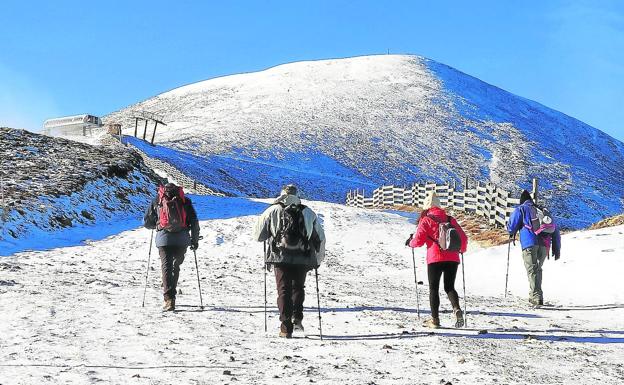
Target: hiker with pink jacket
[[443, 249]]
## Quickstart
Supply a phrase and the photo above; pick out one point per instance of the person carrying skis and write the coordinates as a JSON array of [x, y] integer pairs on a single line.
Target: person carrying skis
[[173, 216], [296, 243], [442, 259], [538, 233]]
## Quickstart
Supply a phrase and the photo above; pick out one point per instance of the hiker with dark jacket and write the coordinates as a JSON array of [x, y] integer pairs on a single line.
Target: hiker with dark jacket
[[174, 218], [296, 245], [439, 262], [536, 243]]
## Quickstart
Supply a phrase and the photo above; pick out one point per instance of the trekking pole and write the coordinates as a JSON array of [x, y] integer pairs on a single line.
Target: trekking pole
[[265, 288], [201, 301], [318, 303], [416, 283], [464, 281], [507, 274], [149, 256]]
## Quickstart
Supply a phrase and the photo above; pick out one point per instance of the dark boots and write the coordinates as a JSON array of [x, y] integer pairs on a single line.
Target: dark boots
[[169, 304], [297, 325], [286, 330]]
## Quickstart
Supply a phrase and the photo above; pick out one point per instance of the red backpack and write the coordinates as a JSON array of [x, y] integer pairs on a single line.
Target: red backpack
[[171, 212]]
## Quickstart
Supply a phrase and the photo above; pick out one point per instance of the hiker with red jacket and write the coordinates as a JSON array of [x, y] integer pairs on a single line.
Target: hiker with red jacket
[[174, 218], [439, 262], [538, 234]]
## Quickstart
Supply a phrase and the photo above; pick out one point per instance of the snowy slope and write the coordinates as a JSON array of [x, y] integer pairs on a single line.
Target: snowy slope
[[388, 119], [73, 315]]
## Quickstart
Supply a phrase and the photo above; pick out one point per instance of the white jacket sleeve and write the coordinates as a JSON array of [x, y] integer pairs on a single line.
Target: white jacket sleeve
[[262, 231]]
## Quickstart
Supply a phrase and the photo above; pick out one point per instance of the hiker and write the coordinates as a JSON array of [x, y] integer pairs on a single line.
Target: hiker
[[439, 261], [538, 233], [173, 216], [296, 245]]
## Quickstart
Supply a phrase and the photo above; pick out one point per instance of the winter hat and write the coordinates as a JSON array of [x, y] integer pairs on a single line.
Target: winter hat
[[289, 195], [171, 189], [525, 196], [290, 189], [431, 200]]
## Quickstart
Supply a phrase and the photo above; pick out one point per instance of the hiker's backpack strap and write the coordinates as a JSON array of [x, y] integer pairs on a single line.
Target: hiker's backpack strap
[[434, 218], [438, 222]]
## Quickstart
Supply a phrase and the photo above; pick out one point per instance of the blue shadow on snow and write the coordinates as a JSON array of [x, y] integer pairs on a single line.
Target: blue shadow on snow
[[273, 309], [207, 208]]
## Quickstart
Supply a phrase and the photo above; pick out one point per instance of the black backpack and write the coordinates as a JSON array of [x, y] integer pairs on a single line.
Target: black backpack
[[292, 236]]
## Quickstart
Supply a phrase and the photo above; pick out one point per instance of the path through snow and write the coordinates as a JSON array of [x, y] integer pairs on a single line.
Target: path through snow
[[74, 314]]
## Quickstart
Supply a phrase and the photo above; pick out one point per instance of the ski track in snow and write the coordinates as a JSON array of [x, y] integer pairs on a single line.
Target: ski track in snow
[[74, 315]]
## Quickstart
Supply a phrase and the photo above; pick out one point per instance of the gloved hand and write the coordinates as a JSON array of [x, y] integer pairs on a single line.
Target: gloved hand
[[407, 242], [512, 238], [194, 245]]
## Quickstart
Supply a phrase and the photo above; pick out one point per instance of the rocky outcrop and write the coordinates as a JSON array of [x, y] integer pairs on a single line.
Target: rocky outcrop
[[52, 183]]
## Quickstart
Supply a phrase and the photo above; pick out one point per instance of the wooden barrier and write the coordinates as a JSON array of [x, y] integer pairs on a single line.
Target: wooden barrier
[[179, 176], [484, 199], [171, 171]]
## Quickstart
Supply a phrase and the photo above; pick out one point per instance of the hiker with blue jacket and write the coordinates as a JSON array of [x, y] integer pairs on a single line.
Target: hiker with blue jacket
[[538, 234]]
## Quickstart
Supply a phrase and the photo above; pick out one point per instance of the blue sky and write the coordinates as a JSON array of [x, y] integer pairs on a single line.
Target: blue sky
[[68, 57]]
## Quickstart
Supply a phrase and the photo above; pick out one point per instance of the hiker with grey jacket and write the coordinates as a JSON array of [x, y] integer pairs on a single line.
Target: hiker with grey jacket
[[175, 220], [296, 245]]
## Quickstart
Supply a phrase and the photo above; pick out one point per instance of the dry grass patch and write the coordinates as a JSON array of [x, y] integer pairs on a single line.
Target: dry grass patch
[[608, 222]]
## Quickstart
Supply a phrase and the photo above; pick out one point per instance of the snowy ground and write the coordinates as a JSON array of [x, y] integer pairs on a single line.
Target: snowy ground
[[74, 315]]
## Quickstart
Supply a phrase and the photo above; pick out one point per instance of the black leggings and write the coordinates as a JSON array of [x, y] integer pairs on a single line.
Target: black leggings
[[434, 273]]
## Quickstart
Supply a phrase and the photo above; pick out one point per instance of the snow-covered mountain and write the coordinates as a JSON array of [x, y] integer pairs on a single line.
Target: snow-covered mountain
[[332, 125], [53, 191]]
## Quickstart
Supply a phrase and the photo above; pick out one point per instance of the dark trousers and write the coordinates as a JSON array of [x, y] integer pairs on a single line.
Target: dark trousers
[[290, 280], [434, 273], [171, 257]]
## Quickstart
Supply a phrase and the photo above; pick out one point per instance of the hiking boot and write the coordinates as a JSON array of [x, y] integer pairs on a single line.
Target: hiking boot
[[535, 302], [297, 325], [169, 304], [459, 318], [286, 329], [285, 334], [432, 323]]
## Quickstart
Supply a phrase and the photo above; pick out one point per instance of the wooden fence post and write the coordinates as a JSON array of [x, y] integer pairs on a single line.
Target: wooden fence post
[[136, 125], [145, 129], [484, 199], [154, 133]]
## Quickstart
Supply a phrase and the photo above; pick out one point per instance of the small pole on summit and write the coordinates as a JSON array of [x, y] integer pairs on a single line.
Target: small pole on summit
[[149, 256], [416, 282]]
